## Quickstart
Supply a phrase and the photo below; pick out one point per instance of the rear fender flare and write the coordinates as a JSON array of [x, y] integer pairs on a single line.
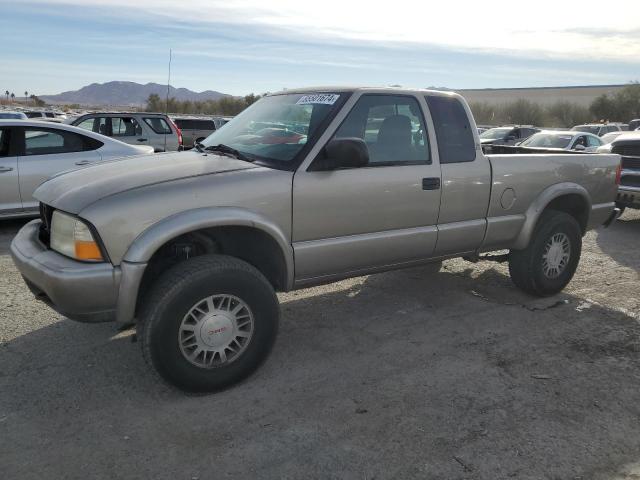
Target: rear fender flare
[[540, 204]]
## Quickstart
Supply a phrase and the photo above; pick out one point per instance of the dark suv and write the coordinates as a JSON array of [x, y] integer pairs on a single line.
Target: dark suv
[[194, 129], [628, 147]]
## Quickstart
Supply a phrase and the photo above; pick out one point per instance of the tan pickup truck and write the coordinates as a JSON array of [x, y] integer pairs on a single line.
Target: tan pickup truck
[[304, 187]]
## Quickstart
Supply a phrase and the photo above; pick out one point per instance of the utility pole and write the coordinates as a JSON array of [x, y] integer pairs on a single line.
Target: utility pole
[[166, 108]]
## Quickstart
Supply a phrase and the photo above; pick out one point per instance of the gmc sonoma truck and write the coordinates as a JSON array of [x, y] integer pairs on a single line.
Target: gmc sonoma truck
[[304, 187]]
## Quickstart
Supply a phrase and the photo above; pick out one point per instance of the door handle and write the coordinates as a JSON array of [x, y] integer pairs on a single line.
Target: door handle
[[142, 139], [83, 162], [431, 183], [5, 169]]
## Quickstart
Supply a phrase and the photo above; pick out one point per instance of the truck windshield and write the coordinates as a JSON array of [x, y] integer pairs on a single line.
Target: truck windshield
[[275, 129], [548, 140], [495, 133]]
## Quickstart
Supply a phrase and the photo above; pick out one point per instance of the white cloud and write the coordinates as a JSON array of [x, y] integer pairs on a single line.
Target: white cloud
[[547, 28]]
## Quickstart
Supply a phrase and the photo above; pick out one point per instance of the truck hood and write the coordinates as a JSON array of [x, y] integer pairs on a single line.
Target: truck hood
[[74, 190]]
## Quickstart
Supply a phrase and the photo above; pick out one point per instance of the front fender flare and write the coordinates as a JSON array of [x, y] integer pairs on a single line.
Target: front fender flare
[[148, 242]]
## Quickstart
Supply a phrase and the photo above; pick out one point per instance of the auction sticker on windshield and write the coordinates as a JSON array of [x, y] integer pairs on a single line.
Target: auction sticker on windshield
[[318, 98]]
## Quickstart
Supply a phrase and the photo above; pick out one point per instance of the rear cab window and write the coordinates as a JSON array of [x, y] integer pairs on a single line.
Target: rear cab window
[[456, 142]]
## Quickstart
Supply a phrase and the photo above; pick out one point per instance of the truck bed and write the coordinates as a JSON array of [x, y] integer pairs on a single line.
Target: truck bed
[[521, 180]]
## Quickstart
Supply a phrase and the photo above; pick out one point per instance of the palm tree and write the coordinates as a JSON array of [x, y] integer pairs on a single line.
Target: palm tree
[[26, 97], [13, 96], [6, 92]]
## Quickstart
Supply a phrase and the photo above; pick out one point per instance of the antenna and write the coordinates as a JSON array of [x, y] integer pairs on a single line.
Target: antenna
[[166, 108]]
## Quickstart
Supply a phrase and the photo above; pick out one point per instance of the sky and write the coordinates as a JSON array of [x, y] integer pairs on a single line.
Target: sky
[[243, 46]]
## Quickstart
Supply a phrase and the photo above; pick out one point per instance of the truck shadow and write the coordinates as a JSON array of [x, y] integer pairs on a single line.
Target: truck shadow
[[620, 240], [443, 365]]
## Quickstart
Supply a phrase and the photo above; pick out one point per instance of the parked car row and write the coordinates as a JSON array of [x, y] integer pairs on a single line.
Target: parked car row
[[33, 151]]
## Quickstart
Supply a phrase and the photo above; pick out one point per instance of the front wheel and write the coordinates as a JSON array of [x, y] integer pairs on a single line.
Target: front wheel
[[550, 260], [208, 323]]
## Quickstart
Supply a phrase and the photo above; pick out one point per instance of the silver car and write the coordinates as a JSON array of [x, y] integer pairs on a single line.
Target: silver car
[[33, 151], [553, 139], [135, 128]]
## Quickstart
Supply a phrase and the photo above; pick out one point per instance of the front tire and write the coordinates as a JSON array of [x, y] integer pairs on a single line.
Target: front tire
[[550, 260], [208, 323]]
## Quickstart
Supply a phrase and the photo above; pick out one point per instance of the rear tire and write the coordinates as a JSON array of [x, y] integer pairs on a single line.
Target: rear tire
[[208, 323], [550, 260]]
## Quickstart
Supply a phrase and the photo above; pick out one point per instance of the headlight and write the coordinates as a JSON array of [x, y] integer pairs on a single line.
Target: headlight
[[72, 237]]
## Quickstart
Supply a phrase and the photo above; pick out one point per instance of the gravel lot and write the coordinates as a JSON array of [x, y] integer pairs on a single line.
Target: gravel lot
[[408, 374]]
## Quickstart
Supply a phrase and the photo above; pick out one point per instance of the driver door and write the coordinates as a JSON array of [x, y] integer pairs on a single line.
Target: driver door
[[357, 220]]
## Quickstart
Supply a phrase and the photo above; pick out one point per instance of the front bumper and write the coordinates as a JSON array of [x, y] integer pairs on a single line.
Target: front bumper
[[85, 292]]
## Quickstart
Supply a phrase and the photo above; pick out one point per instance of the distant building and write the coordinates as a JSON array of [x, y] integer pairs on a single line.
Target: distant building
[[581, 95]]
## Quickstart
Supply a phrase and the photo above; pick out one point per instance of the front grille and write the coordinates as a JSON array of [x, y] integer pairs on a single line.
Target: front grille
[[627, 150], [46, 212]]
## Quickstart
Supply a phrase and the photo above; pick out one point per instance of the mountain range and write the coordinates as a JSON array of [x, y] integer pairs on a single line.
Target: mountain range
[[126, 94]]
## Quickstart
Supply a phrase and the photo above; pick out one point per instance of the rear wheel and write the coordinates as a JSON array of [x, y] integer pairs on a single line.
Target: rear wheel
[[550, 260], [208, 323]]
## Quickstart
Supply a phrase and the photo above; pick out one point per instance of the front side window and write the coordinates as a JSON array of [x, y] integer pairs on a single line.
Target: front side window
[[392, 126], [125, 127], [276, 128], [581, 140], [39, 141], [158, 125], [455, 138]]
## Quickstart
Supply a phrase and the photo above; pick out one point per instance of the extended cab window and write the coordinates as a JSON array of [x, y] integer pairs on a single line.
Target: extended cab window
[[392, 126], [453, 130]]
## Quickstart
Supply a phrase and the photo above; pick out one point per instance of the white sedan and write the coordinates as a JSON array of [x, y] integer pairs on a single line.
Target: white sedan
[[563, 140], [33, 151]]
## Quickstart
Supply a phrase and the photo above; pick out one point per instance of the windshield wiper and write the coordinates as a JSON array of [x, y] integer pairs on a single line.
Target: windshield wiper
[[226, 149], [198, 146]]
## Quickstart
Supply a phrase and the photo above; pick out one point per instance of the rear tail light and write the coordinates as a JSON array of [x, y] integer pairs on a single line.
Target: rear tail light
[[618, 174], [178, 131]]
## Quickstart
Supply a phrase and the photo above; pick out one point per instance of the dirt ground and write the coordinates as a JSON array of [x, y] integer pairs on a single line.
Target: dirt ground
[[408, 374]]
